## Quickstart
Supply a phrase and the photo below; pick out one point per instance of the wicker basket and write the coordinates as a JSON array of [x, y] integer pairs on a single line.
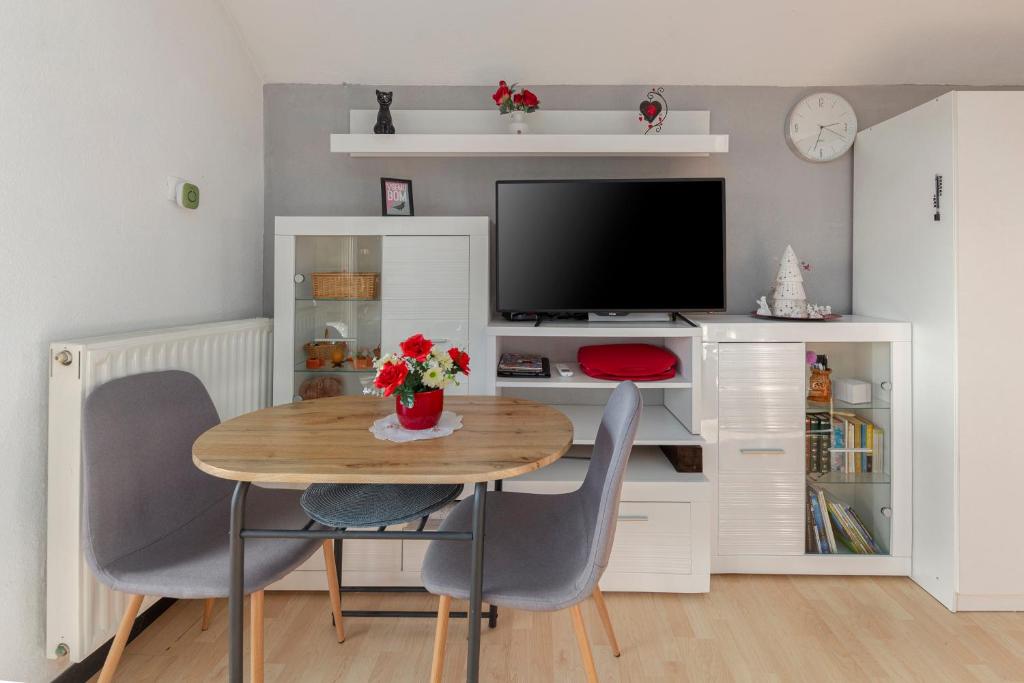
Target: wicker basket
[[346, 285], [325, 350]]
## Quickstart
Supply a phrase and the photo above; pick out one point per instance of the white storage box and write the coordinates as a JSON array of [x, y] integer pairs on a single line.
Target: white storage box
[[851, 390]]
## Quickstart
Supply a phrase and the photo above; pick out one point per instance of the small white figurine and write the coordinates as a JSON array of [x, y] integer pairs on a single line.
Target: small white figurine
[[762, 306]]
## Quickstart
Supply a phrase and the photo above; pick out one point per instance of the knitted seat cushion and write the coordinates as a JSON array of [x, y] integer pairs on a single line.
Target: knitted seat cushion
[[364, 505]]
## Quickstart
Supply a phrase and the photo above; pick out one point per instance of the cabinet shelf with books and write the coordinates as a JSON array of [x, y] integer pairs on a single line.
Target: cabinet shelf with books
[[847, 457]]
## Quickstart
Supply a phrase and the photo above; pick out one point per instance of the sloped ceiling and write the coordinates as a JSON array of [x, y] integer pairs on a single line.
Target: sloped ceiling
[[713, 42]]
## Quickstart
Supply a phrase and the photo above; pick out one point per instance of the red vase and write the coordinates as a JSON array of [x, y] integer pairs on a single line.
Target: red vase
[[425, 412]]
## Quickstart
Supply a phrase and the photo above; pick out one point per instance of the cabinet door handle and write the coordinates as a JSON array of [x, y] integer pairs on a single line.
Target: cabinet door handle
[[763, 451], [633, 518]]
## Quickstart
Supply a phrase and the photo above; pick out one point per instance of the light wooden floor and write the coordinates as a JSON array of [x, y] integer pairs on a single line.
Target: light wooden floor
[[777, 628]]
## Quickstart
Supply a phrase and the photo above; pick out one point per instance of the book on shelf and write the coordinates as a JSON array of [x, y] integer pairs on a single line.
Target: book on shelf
[[842, 442], [523, 365], [831, 523]]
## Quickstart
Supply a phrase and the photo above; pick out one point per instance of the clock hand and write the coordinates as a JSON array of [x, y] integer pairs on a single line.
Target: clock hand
[[824, 128], [820, 130]]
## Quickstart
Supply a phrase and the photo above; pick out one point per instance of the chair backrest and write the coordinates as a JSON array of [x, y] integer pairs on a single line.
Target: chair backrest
[[139, 483], [599, 494]]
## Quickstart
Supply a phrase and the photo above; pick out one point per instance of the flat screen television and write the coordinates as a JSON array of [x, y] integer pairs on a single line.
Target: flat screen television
[[610, 246]]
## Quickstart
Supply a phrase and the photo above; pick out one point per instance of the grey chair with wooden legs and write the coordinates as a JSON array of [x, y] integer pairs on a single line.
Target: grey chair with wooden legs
[[544, 552], [153, 524]]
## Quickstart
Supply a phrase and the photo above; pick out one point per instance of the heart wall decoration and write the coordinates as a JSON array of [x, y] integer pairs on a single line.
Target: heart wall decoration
[[653, 110]]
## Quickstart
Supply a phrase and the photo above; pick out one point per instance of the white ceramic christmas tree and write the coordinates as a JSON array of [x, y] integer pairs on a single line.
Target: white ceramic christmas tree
[[789, 299]]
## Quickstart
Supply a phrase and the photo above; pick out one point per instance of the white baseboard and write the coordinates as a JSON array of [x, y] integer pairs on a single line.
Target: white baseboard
[[1013, 602]]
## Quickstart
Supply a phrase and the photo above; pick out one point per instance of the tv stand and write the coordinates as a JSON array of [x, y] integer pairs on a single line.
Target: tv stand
[[666, 317]]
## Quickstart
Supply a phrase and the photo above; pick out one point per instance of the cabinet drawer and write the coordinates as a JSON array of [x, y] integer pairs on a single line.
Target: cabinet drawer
[[431, 268], [649, 538], [653, 538]]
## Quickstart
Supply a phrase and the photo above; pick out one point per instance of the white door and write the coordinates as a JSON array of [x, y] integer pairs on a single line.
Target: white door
[[904, 269]]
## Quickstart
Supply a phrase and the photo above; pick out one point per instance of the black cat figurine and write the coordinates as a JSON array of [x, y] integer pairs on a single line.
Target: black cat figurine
[[384, 123]]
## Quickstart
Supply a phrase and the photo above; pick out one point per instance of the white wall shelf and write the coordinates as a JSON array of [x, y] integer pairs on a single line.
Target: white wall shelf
[[541, 145], [658, 426], [483, 133]]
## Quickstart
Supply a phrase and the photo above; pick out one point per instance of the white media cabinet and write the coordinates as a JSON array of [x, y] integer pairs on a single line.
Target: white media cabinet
[[740, 394]]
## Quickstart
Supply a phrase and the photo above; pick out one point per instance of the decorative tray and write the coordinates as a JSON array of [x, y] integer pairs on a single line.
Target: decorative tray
[[827, 319]]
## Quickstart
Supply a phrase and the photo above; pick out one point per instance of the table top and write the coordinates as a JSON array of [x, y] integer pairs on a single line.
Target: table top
[[329, 441]]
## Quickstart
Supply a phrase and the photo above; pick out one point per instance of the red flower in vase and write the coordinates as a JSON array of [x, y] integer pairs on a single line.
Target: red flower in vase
[[460, 358], [529, 99], [517, 98], [416, 347], [391, 376], [501, 94]]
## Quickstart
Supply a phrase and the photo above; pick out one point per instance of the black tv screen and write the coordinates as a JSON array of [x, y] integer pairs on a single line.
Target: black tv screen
[[610, 246]]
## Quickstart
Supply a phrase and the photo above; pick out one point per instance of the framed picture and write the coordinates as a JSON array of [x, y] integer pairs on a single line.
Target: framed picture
[[395, 197]]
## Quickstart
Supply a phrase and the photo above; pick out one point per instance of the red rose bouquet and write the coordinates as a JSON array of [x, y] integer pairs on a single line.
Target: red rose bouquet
[[419, 367], [508, 99]]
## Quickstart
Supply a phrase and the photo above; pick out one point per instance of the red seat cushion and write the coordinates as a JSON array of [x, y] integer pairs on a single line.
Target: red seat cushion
[[638, 362]]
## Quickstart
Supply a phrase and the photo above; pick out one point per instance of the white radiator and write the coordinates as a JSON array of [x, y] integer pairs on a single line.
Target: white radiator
[[233, 359]]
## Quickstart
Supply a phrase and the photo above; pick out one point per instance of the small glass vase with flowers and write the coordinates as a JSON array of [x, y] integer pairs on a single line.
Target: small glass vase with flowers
[[417, 376]]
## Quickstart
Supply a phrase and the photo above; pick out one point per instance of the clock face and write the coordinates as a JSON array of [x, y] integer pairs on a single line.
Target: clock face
[[821, 127]]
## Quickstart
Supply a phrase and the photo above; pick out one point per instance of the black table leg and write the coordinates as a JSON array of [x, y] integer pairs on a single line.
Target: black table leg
[[235, 595], [476, 583]]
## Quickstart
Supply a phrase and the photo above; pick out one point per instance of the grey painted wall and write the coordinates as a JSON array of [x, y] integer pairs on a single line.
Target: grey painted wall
[[773, 198]]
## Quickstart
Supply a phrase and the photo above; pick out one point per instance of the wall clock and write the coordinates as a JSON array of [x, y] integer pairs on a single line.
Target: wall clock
[[821, 127]]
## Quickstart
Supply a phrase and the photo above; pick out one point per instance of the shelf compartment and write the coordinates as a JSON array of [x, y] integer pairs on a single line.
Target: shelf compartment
[[658, 426], [346, 367], [581, 381], [337, 299], [861, 478]]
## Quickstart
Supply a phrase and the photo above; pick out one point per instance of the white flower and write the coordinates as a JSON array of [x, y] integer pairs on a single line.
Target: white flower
[[442, 357], [434, 378]]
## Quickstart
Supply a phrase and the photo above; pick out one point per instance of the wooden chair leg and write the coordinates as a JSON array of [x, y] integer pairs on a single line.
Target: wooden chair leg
[[207, 613], [602, 610], [581, 639], [256, 630], [440, 638], [334, 589], [121, 638]]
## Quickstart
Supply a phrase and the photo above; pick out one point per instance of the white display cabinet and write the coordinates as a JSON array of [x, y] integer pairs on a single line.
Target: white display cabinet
[[758, 451], [432, 279]]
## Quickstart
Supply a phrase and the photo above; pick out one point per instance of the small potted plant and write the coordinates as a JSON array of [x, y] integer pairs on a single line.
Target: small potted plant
[[363, 360], [516, 104], [417, 377]]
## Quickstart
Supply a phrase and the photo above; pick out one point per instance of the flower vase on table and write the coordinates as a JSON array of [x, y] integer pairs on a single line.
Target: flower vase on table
[[417, 377]]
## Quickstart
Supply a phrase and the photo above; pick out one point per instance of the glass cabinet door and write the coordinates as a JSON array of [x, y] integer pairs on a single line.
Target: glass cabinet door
[[337, 314], [848, 459]]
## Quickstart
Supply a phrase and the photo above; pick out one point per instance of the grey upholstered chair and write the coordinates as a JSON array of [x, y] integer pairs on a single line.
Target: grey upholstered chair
[[155, 525], [543, 552]]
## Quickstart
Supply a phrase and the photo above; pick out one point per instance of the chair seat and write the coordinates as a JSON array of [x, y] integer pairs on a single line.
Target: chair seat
[[193, 560], [535, 552], [343, 506]]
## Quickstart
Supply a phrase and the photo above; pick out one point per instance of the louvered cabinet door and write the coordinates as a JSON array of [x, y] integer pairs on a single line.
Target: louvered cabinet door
[[761, 405], [425, 289]]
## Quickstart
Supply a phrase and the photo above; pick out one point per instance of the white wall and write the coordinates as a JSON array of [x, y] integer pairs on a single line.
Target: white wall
[[99, 102]]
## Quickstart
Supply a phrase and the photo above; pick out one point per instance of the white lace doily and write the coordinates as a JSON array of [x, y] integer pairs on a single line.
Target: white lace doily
[[389, 429]]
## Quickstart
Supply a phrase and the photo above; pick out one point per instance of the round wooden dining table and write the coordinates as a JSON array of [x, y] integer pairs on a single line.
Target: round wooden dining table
[[329, 441]]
